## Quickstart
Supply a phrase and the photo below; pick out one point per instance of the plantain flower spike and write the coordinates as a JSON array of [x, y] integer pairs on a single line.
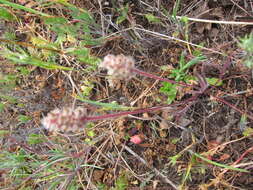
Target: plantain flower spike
[[65, 120], [118, 66]]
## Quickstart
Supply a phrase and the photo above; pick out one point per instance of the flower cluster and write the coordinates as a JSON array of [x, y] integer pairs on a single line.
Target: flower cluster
[[118, 66], [65, 120]]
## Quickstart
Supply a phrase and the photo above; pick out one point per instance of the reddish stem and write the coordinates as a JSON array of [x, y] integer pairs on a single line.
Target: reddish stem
[[243, 155], [137, 111], [113, 115], [233, 107]]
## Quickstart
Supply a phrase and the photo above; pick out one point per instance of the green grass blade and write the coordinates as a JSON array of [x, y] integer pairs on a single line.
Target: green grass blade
[[175, 9], [218, 164], [104, 105], [21, 7]]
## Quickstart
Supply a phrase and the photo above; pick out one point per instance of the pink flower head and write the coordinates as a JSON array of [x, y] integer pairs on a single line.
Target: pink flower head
[[65, 120], [118, 66]]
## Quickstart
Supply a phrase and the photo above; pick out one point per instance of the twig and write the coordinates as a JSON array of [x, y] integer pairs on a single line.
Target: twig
[[153, 169]]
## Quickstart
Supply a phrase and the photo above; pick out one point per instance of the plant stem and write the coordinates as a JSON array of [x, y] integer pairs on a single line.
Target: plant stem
[[137, 111], [113, 115]]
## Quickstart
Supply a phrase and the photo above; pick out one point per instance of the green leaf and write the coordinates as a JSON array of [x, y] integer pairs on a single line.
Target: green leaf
[[7, 78], [91, 133], [85, 16], [185, 19], [35, 139], [1, 107], [4, 132], [86, 88], [170, 90], [121, 183], [5, 14], [21, 7], [23, 118], [23, 58], [152, 18], [214, 81], [23, 70], [192, 62], [173, 159], [247, 43], [9, 98], [55, 20], [248, 132], [123, 14], [175, 9], [43, 43], [120, 19], [101, 186], [84, 52], [175, 140], [60, 26]]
